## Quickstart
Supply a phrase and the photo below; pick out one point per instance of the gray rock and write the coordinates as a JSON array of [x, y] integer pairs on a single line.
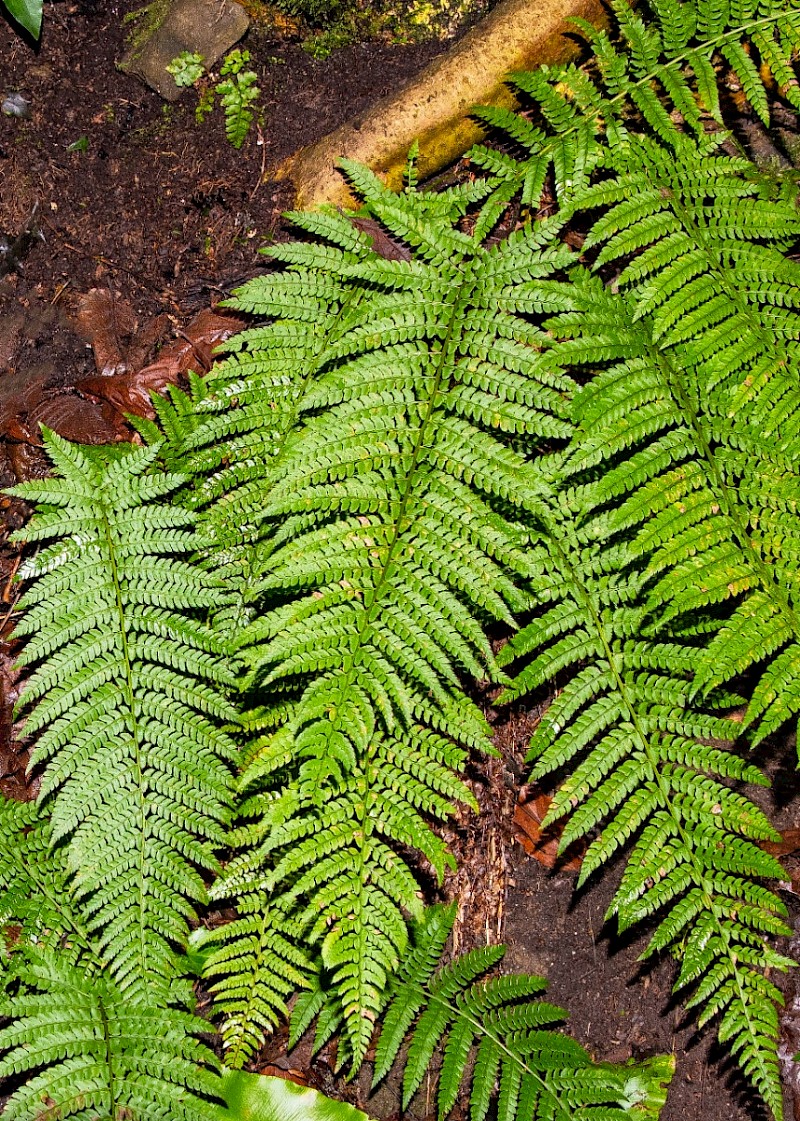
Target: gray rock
[[208, 27]]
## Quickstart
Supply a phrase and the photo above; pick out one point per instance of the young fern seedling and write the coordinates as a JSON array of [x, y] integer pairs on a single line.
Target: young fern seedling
[[237, 90]]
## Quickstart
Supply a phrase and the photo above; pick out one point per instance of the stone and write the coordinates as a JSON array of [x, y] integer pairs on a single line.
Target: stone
[[207, 27]]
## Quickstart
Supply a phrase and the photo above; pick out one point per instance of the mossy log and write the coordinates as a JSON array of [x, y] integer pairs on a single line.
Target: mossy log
[[434, 107]]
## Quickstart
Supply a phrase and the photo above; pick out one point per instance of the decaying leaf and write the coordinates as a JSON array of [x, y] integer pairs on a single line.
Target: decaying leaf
[[85, 422], [108, 324], [789, 843], [130, 391], [542, 845]]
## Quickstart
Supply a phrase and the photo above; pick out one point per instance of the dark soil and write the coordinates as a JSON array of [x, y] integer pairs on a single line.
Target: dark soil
[[164, 217]]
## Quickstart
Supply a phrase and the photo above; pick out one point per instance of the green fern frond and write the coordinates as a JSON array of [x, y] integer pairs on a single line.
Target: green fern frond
[[261, 964], [626, 728], [387, 540], [125, 698], [657, 68], [713, 376], [92, 1053], [534, 1070]]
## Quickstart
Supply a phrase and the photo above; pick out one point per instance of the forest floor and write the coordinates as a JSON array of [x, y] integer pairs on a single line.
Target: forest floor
[[161, 217]]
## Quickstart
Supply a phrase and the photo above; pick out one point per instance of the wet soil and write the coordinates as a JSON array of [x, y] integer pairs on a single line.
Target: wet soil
[[164, 218]]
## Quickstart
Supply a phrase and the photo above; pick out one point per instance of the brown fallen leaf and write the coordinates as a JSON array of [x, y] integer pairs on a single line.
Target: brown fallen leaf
[[542, 845], [289, 1075], [789, 843], [130, 391], [85, 422], [108, 324]]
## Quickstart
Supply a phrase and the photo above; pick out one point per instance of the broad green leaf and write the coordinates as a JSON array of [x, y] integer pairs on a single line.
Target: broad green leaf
[[27, 13], [259, 1097]]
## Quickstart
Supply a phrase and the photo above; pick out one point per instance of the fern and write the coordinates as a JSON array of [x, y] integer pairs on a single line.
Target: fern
[[124, 699], [718, 522], [92, 1053], [498, 1038], [374, 585], [427, 438], [642, 768], [309, 868], [657, 74], [238, 91]]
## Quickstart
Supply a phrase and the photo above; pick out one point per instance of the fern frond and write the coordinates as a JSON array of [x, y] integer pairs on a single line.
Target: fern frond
[[535, 1070], [625, 725], [125, 697], [656, 69], [261, 963], [714, 376], [387, 540], [92, 1053]]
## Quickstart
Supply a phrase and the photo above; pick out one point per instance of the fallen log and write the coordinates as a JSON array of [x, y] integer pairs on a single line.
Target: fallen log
[[434, 107]]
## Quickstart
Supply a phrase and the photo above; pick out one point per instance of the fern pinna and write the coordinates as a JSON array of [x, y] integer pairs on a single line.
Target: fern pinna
[[124, 698], [387, 541]]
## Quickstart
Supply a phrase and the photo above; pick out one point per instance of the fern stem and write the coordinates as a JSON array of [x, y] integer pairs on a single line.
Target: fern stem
[[109, 1056], [130, 697]]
